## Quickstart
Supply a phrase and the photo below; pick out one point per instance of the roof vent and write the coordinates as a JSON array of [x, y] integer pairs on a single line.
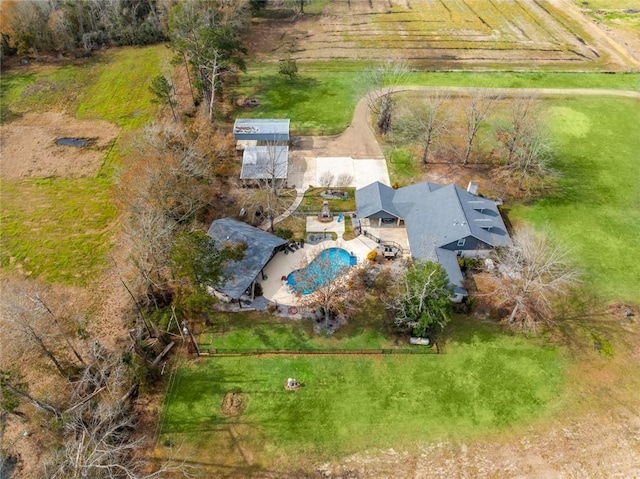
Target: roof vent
[[473, 186]]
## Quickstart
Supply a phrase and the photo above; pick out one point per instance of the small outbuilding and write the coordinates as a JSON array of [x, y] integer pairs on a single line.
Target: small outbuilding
[[269, 163], [262, 129]]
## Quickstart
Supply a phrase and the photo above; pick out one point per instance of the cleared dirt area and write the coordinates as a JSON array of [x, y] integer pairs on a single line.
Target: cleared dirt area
[[29, 146], [443, 34]]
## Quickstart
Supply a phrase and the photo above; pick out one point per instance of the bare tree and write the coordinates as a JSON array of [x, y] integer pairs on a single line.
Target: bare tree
[[344, 179], [328, 286], [426, 121], [476, 112], [274, 181], [532, 274], [523, 120], [269, 175], [526, 147], [38, 300], [25, 314], [13, 389], [379, 84], [100, 438], [420, 297], [171, 186], [529, 170], [326, 179]]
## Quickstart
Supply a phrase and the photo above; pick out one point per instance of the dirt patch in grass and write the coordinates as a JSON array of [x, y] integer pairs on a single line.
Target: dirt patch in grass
[[233, 404], [622, 310], [29, 146]]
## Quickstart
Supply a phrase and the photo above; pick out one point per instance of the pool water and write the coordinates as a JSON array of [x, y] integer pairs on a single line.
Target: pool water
[[327, 266]]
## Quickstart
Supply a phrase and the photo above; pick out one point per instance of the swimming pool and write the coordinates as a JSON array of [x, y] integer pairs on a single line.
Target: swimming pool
[[327, 266]]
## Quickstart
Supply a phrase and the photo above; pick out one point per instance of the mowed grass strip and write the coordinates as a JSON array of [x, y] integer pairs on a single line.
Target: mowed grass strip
[[57, 229], [596, 211], [485, 382]]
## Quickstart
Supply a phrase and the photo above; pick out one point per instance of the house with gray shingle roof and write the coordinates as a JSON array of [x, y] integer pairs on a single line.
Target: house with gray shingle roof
[[441, 222], [260, 248]]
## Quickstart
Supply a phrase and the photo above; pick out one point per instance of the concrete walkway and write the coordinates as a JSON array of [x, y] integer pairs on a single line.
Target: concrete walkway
[[266, 224]]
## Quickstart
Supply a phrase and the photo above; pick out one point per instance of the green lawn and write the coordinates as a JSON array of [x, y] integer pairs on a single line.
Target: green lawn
[[596, 212], [321, 101], [59, 228], [120, 92], [402, 164], [312, 201], [316, 103], [255, 330], [486, 382]]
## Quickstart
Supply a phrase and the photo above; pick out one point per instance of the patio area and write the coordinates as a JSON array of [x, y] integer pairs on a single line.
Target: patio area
[[314, 225], [388, 232], [277, 291]]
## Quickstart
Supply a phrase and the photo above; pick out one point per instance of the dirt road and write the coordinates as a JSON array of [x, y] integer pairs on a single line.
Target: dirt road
[[359, 141]]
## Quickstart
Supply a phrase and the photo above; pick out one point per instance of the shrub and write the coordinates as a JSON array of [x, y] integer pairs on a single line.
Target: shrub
[[470, 264], [288, 68], [284, 233]]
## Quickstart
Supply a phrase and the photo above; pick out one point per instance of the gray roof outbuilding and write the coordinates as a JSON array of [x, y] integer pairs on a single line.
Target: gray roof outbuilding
[[265, 163], [261, 129]]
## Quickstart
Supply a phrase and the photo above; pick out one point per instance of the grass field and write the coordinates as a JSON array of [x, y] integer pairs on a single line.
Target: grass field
[[254, 330], [112, 86], [322, 100], [487, 381], [317, 104], [596, 211], [59, 228], [62, 233]]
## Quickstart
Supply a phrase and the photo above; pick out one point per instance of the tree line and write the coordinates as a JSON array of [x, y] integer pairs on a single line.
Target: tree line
[[34, 27]]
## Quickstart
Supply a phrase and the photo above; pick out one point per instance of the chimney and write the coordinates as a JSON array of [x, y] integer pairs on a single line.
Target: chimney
[[473, 187]]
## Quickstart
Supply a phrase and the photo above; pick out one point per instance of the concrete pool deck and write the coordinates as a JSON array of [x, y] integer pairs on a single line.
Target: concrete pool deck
[[277, 291]]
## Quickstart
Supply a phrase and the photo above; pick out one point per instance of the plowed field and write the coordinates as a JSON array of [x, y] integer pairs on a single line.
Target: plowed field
[[447, 34]]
